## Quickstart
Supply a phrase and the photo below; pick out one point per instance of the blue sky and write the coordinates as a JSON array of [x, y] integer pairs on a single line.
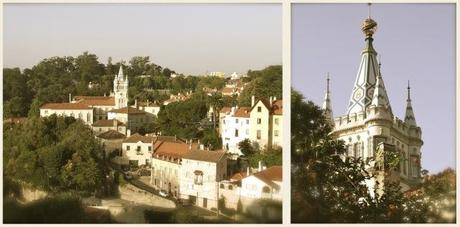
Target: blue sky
[[188, 38], [416, 42]]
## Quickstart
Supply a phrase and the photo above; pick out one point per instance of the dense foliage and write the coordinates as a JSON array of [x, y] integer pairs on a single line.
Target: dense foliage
[[54, 154], [328, 188], [262, 84]]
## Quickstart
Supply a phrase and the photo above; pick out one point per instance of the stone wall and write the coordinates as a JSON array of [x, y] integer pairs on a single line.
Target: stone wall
[[131, 193]]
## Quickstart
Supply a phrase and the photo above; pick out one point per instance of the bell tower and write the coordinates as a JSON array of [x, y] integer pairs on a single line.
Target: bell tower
[[120, 89]]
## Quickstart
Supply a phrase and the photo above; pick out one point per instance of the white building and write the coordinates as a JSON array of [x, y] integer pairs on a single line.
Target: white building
[[369, 124], [137, 150], [235, 128], [76, 110], [102, 126], [133, 118], [265, 121], [264, 184], [166, 164], [200, 175]]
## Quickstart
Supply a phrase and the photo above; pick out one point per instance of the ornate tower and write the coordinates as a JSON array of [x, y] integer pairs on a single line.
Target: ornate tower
[[327, 105], [369, 128], [120, 89]]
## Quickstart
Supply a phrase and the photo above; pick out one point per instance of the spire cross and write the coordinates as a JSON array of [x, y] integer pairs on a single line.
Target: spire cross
[[327, 79], [369, 7], [408, 90]]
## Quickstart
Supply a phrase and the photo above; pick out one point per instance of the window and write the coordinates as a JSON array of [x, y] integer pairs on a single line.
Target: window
[[150, 148], [236, 120], [247, 121], [259, 121], [198, 179], [222, 186], [266, 189], [276, 133], [138, 148], [247, 131], [230, 187], [236, 132], [259, 109], [276, 121], [71, 114], [46, 111], [127, 148], [80, 116], [259, 134]]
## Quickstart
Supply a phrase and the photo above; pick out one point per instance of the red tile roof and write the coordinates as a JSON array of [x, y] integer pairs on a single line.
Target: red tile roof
[[225, 109], [96, 100], [107, 123], [65, 106], [137, 137], [172, 149], [207, 156], [243, 112], [111, 134], [274, 173]]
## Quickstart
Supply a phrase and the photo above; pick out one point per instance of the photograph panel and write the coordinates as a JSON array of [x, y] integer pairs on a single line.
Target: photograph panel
[[142, 113], [372, 113]]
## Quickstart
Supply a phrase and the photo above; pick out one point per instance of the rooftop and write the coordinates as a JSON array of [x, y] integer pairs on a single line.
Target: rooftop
[[207, 156]]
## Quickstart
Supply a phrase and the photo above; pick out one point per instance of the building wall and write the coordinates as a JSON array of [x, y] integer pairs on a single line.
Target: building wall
[[165, 175], [86, 115], [231, 139], [140, 152], [253, 187], [132, 121], [260, 125], [100, 112], [99, 130], [277, 130], [203, 191]]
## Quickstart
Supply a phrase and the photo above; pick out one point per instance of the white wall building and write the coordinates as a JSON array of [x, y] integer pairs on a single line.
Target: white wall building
[[200, 175], [138, 149], [235, 128]]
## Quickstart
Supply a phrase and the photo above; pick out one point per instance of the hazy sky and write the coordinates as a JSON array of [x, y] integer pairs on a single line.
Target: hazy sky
[[416, 42], [189, 39]]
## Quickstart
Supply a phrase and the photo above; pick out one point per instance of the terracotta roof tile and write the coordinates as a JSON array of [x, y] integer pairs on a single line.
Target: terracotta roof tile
[[65, 106], [172, 149], [111, 134], [107, 123], [225, 109], [96, 100], [274, 173], [207, 156], [243, 112]]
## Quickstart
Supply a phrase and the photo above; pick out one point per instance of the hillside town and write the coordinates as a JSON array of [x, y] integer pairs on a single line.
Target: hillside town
[[226, 175]]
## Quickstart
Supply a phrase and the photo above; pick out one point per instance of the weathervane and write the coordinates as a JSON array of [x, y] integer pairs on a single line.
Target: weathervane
[[369, 26]]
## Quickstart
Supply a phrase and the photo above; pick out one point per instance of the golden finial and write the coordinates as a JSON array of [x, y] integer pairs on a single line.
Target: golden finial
[[369, 26]]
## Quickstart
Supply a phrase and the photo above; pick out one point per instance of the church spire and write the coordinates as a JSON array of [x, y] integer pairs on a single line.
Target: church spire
[[120, 72], [366, 78], [409, 118], [380, 97], [327, 105]]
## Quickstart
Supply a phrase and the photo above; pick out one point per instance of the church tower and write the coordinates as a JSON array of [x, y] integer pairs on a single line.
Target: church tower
[[120, 89], [327, 105], [369, 127]]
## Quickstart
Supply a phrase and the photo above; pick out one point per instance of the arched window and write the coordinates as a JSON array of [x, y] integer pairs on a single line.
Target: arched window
[[80, 116]]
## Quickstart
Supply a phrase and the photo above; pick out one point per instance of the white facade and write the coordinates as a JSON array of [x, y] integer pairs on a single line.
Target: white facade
[[199, 179], [235, 128], [120, 89], [138, 153], [84, 114]]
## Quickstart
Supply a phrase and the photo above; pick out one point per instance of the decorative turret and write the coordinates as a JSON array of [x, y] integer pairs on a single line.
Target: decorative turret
[[120, 89], [363, 90], [380, 97], [327, 106], [409, 118]]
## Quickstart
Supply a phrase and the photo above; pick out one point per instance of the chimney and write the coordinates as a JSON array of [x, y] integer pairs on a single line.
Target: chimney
[[274, 98], [115, 124], [253, 100], [201, 147], [271, 100], [247, 171], [70, 97], [260, 166], [128, 133]]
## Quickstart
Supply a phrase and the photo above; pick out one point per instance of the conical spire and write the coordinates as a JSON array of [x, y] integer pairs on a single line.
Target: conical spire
[[380, 97], [363, 89], [120, 73], [409, 118], [327, 105]]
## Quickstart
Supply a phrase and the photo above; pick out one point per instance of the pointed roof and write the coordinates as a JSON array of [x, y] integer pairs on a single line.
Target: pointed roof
[[120, 73], [366, 78], [327, 105], [380, 97], [409, 118]]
